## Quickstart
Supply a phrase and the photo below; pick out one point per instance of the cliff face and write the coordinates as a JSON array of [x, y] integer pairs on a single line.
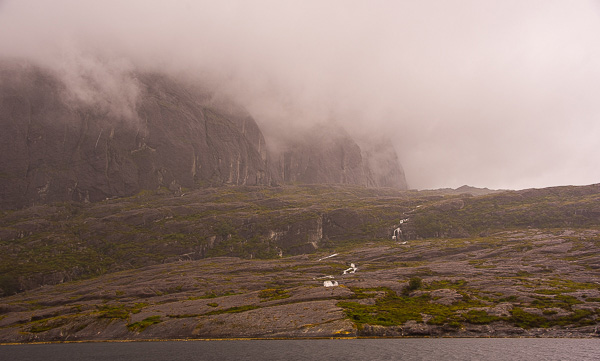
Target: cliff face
[[328, 154], [53, 150], [175, 135]]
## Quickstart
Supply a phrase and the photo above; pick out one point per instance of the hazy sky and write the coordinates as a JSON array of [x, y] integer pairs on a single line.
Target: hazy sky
[[499, 94]]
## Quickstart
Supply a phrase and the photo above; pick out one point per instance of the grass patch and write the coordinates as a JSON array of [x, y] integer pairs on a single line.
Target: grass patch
[[527, 320], [394, 310], [47, 324], [558, 286], [271, 294], [361, 293], [184, 315], [236, 309], [414, 283], [120, 311], [436, 285], [211, 294], [480, 317], [142, 325], [391, 310]]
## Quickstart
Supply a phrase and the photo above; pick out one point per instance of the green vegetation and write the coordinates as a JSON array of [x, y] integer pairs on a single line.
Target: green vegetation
[[120, 311], [212, 294], [142, 325], [271, 294], [543, 278], [86, 240], [526, 319], [361, 293], [48, 324], [457, 216], [558, 286], [560, 301], [414, 283], [236, 309], [449, 284], [479, 317], [391, 310]]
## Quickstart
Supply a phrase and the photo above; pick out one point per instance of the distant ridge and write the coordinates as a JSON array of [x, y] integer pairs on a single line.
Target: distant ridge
[[171, 134]]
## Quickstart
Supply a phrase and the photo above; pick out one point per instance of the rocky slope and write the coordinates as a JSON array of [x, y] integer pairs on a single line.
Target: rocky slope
[[519, 283], [60, 144], [56, 243], [187, 267], [52, 244], [171, 219]]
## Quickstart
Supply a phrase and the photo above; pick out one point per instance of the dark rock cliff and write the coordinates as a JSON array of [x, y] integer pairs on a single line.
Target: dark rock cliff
[[328, 154], [54, 148]]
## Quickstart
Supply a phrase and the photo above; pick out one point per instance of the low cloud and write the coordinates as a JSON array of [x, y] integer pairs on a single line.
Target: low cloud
[[491, 94]]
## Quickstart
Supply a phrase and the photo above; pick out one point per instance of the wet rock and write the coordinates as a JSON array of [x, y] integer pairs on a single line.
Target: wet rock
[[446, 296], [500, 310], [414, 328], [381, 331]]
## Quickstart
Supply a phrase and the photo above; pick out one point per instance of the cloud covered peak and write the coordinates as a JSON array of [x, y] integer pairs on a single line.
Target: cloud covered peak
[[495, 94]]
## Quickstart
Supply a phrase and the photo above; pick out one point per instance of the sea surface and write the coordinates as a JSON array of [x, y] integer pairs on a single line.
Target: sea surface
[[336, 349]]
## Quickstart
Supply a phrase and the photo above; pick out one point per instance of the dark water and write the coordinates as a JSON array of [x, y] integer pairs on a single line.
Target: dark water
[[354, 349]]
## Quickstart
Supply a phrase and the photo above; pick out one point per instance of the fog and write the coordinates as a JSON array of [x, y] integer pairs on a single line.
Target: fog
[[498, 94]]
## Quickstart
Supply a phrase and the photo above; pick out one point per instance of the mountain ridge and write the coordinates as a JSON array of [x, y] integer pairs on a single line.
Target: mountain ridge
[[175, 136]]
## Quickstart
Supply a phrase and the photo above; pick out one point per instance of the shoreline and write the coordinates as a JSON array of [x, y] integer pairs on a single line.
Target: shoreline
[[291, 339]]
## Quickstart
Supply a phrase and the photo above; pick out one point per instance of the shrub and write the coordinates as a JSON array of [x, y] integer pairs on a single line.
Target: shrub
[[414, 283], [480, 317], [527, 320]]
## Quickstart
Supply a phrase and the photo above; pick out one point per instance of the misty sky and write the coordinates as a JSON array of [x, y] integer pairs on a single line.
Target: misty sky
[[498, 94]]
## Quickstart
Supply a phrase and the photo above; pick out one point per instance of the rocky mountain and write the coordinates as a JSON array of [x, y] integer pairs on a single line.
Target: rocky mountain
[[53, 150], [328, 154], [160, 211], [251, 261], [519, 283], [176, 135], [61, 242]]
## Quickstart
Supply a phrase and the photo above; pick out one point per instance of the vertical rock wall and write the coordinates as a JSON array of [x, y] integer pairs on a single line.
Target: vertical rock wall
[[54, 150], [176, 136], [328, 154]]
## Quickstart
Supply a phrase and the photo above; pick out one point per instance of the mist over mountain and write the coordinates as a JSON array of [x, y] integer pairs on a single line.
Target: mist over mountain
[[491, 94], [155, 155], [86, 143]]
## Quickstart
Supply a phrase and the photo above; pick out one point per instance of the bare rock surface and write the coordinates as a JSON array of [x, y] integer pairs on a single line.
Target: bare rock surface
[[548, 291]]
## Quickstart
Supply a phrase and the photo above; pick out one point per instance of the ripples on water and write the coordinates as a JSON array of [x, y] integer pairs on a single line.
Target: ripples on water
[[350, 350]]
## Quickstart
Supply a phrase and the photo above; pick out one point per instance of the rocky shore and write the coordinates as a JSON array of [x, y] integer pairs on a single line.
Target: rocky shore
[[526, 283]]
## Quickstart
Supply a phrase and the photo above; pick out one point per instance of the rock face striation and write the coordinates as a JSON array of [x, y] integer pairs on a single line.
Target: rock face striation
[[328, 154], [53, 150], [176, 135]]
